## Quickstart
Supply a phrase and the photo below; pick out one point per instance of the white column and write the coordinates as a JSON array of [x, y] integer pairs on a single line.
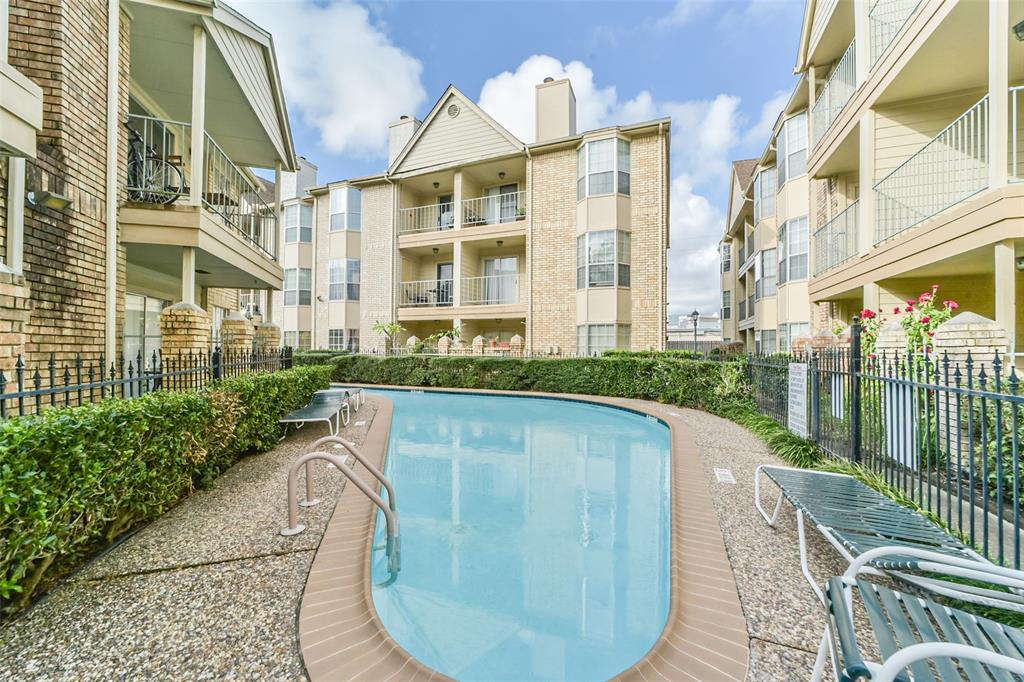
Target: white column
[[457, 200], [1006, 294], [862, 38], [14, 258], [872, 297], [457, 274], [198, 114], [188, 274], [277, 211], [866, 180], [998, 91]]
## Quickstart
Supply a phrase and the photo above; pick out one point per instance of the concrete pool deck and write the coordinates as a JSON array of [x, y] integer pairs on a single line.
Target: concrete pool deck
[[705, 638]]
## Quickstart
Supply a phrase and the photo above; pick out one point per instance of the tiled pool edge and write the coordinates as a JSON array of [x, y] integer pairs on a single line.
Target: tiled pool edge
[[705, 637]]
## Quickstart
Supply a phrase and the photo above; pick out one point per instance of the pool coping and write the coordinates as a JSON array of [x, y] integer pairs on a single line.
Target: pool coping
[[705, 635]]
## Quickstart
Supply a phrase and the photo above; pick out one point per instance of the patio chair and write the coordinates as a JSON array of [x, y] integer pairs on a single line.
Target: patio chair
[[919, 640], [323, 407], [855, 519], [356, 395]]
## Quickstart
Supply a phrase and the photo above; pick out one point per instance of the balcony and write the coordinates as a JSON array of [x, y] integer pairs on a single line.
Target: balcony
[[431, 218], [428, 293], [886, 18], [494, 209], [835, 94], [950, 168], [491, 290], [836, 241]]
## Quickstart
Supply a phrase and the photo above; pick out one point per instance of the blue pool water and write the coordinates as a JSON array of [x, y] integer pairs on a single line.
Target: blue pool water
[[535, 536]]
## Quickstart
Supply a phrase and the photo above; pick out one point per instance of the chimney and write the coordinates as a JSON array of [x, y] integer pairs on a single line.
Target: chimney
[[556, 109], [400, 132], [295, 184]]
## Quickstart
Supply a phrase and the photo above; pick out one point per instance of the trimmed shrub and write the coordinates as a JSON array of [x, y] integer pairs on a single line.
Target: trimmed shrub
[[74, 479], [687, 383], [315, 357]]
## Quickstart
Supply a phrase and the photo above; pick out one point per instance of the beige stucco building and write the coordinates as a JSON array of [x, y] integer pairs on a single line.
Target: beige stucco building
[[130, 213], [916, 154], [764, 261], [559, 245]]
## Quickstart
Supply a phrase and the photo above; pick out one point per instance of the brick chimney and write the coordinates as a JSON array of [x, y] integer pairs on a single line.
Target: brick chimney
[[556, 109]]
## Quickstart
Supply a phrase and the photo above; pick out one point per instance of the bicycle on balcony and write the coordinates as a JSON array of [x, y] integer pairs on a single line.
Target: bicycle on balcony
[[153, 178]]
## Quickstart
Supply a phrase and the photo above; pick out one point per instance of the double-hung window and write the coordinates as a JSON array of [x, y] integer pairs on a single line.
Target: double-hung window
[[595, 339], [298, 223], [764, 194], [298, 286], [602, 167], [791, 148], [726, 305], [346, 209], [793, 238], [335, 339], [726, 256], [344, 279], [602, 259], [765, 280]]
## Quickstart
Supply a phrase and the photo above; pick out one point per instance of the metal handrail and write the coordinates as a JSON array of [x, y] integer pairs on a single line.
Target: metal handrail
[[835, 242], [835, 94]]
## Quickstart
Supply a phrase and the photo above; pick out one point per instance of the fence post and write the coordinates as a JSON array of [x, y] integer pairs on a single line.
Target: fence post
[[216, 363], [750, 369], [855, 371], [815, 377]]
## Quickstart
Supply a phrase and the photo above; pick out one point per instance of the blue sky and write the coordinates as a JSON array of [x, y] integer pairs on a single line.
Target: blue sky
[[720, 68]]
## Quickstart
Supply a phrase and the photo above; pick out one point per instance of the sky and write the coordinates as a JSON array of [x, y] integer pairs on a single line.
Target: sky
[[722, 69]]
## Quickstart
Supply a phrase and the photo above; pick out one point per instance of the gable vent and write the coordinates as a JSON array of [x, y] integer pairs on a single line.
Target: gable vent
[[453, 110]]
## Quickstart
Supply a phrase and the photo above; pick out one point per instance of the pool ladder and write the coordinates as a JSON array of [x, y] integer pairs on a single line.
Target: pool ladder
[[393, 548]]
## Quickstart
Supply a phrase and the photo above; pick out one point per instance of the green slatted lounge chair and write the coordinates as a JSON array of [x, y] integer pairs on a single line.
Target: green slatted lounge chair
[[855, 518], [332, 409], [919, 640], [356, 395]]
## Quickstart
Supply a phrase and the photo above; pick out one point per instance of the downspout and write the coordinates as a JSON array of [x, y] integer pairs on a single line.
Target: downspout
[[663, 304], [529, 261], [113, 50]]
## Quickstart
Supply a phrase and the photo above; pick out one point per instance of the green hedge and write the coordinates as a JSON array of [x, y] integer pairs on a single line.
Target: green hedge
[[687, 383], [74, 479], [315, 357]]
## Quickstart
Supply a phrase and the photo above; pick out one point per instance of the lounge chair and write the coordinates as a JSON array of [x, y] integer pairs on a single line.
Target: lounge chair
[[855, 519], [919, 639], [356, 395], [323, 407]]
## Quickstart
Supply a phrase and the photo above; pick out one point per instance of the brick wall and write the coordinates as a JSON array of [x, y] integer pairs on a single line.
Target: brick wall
[[648, 215], [377, 267], [551, 244], [61, 45]]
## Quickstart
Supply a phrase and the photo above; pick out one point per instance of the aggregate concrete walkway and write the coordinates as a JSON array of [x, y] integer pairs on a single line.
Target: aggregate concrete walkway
[[208, 591]]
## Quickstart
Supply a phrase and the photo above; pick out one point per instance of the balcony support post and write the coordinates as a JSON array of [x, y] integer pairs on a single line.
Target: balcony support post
[[457, 270], [862, 38], [866, 181], [1006, 294], [457, 197], [188, 274], [198, 115], [998, 92]]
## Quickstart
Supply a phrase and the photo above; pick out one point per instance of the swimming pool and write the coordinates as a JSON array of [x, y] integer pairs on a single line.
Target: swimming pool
[[535, 536]]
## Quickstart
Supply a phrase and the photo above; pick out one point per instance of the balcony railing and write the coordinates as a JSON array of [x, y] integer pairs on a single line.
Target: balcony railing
[[426, 218], [495, 209], [952, 167], [750, 306], [836, 241], [428, 293], [743, 310], [1017, 134], [886, 18], [490, 290], [159, 172], [837, 91]]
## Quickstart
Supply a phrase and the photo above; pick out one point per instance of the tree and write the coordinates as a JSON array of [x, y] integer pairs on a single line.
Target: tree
[[390, 330]]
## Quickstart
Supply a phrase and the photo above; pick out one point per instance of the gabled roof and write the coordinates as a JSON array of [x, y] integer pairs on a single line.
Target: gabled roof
[[744, 170], [466, 104]]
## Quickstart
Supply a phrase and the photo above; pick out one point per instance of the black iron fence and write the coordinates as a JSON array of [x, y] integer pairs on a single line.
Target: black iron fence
[[946, 432], [63, 383]]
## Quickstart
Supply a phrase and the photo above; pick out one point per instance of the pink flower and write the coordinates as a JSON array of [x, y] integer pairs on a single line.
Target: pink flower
[[924, 297], [909, 309], [872, 356], [935, 287], [952, 305], [896, 310], [911, 303], [926, 319], [931, 333]]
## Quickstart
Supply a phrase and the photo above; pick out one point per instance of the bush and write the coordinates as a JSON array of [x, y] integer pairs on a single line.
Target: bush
[[315, 357], [687, 383], [74, 479]]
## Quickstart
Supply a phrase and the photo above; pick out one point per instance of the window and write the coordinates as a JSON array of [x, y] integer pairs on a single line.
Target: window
[[764, 341], [218, 316], [352, 340], [602, 259], [793, 244], [344, 279], [764, 194], [305, 341], [142, 328], [335, 339], [765, 281], [298, 286], [290, 339], [791, 148], [789, 333], [726, 256], [726, 305], [298, 223], [602, 167], [346, 209], [595, 339]]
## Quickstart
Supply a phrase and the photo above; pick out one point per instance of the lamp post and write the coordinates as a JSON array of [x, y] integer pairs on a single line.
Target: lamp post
[[694, 316]]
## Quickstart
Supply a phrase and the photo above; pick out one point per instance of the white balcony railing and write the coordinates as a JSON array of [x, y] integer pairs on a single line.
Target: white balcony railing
[[490, 290], [950, 168], [834, 95], [886, 18], [434, 217], [835, 242], [428, 293], [495, 209], [159, 172], [1017, 134]]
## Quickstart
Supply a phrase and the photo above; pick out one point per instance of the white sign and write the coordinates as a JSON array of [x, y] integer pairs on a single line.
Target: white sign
[[798, 398]]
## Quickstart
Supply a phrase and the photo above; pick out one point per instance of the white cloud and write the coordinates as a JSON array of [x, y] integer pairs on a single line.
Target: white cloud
[[758, 134], [342, 74], [682, 11]]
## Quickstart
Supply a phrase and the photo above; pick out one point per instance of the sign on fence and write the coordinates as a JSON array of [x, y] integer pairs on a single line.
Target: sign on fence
[[901, 424], [798, 398]]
